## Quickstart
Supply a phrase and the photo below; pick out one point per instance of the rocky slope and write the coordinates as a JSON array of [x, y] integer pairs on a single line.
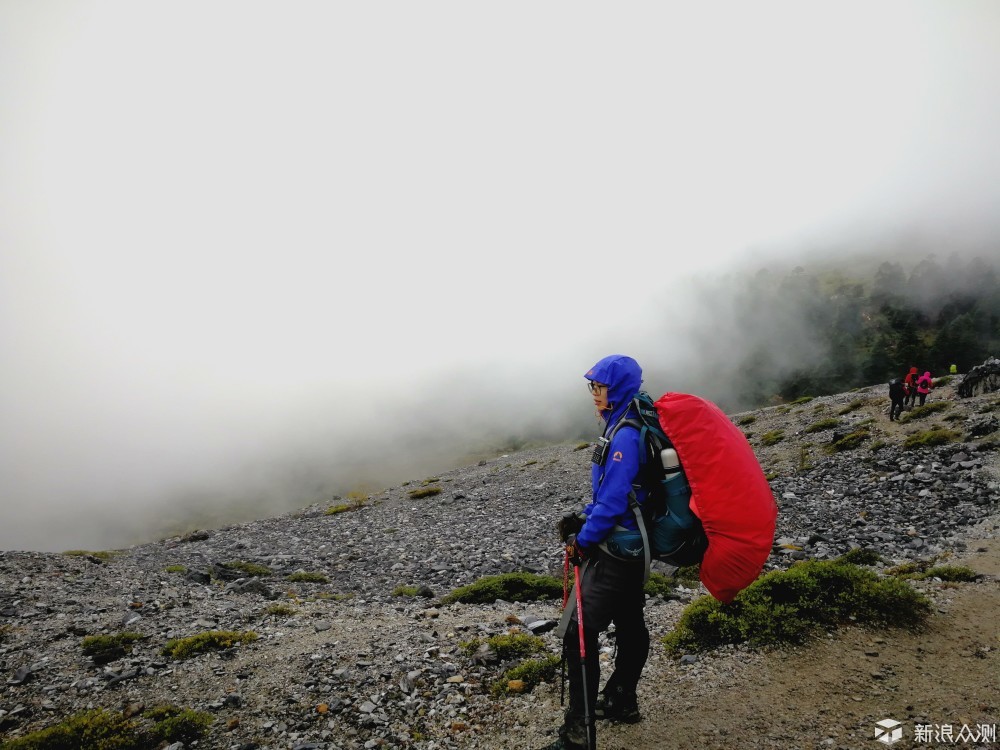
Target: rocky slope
[[354, 662]]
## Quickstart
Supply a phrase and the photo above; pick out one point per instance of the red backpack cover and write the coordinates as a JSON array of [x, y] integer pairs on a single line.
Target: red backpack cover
[[729, 491]]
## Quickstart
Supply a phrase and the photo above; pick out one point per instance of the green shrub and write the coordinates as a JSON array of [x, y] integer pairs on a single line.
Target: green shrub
[[945, 380], [802, 400], [787, 606], [424, 492], [105, 648], [280, 610], [860, 556], [773, 437], [175, 569], [919, 412], [659, 585], [250, 569], [511, 587], [342, 508], [213, 640], [531, 672], [306, 577], [90, 730], [934, 436], [508, 646], [823, 424], [405, 591], [185, 726], [748, 419]]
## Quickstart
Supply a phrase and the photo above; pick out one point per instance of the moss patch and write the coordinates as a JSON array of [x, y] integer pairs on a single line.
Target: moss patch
[[508, 646]]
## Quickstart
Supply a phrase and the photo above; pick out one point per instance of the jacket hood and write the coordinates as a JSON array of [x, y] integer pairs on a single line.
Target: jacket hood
[[913, 371], [623, 376], [926, 375]]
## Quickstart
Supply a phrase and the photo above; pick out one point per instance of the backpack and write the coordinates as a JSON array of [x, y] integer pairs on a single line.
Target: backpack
[[896, 388], [730, 498]]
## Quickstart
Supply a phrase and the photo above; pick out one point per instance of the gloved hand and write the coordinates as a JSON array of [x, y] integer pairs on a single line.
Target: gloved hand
[[577, 553], [569, 524]]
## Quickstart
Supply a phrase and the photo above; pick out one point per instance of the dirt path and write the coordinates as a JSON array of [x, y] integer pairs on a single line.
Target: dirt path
[[831, 693]]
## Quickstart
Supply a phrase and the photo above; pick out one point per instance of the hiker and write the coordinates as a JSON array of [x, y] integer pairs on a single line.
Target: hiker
[[910, 383], [897, 395], [924, 385], [611, 588]]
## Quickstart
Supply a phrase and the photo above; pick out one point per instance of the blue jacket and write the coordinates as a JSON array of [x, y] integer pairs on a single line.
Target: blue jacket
[[613, 481]]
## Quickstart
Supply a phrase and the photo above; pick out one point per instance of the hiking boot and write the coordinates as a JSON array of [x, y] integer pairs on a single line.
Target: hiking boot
[[618, 705], [572, 734]]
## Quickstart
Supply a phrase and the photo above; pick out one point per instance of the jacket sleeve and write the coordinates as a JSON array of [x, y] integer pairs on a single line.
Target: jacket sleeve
[[610, 502]]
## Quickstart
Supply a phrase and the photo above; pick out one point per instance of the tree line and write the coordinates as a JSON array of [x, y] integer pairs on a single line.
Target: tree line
[[828, 331]]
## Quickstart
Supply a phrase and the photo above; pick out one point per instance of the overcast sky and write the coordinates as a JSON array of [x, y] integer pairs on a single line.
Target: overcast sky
[[235, 235]]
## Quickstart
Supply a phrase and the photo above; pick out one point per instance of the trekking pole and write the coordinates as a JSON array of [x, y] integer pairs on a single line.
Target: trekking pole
[[562, 662], [587, 719], [565, 578]]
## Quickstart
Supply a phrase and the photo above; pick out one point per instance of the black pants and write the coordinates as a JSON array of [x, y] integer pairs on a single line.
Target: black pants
[[612, 593], [896, 408], [923, 397]]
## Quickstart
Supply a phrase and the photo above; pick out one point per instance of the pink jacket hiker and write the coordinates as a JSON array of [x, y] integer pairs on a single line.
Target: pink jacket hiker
[[924, 383]]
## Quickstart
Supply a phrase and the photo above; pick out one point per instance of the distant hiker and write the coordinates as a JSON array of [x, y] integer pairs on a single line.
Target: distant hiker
[[924, 385], [910, 383], [953, 369], [611, 588], [897, 395]]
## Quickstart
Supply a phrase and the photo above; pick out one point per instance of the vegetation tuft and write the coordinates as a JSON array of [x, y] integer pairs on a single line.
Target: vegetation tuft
[[105, 648], [424, 492], [405, 591], [99, 729], [788, 606], [921, 571], [919, 412], [748, 419], [932, 437], [823, 424], [530, 672], [508, 646], [853, 406], [90, 729], [102, 555], [511, 587], [213, 640], [849, 441], [860, 556], [303, 576], [773, 437], [280, 610], [250, 569]]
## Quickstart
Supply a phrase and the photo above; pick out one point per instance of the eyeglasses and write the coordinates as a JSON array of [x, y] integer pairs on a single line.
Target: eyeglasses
[[595, 387]]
